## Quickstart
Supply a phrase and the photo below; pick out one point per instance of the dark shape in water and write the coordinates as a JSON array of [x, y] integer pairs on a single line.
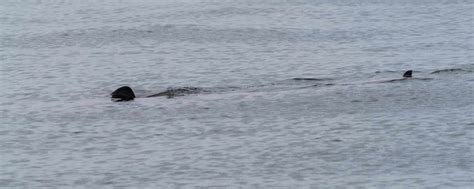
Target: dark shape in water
[[310, 79], [452, 70], [172, 92], [124, 93], [408, 74]]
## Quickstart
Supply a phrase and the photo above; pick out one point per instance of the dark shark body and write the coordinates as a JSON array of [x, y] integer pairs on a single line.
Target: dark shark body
[[310, 79], [126, 93], [452, 70], [407, 76], [172, 92]]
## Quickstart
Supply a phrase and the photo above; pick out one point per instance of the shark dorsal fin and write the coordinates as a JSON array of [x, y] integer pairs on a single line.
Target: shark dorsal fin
[[124, 93]]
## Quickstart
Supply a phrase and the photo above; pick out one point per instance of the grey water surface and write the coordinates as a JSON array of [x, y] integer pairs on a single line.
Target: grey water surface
[[255, 126]]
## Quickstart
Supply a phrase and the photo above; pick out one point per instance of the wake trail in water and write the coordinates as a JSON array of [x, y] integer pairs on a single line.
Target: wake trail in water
[[294, 84]]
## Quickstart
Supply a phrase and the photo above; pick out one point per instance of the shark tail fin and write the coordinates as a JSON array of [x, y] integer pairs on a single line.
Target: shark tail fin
[[408, 73]]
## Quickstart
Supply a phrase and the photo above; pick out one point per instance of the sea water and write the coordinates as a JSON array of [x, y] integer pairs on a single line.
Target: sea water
[[255, 126]]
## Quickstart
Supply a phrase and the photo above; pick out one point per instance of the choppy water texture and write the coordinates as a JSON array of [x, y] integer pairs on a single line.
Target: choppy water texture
[[255, 126]]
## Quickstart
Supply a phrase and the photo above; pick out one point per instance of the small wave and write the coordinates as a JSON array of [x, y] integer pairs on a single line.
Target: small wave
[[452, 70], [402, 80], [386, 71], [310, 79]]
